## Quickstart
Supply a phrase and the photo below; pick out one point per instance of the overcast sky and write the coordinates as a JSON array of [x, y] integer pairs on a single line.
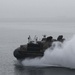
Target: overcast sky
[[56, 10]]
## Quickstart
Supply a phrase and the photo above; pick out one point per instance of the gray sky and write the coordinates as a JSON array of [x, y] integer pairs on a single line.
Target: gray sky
[[49, 10]]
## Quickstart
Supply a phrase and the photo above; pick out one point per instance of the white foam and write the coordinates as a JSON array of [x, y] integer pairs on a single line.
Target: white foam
[[62, 55]]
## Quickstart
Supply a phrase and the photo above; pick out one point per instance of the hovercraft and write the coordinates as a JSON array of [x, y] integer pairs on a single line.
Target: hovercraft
[[35, 48]]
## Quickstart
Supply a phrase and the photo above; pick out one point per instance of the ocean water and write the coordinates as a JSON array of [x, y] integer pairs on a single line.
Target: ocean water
[[12, 35]]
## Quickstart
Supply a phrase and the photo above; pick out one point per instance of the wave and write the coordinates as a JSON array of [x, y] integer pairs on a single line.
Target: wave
[[60, 55]]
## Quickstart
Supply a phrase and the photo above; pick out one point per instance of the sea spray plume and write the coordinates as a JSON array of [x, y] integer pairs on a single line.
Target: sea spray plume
[[69, 53], [63, 56]]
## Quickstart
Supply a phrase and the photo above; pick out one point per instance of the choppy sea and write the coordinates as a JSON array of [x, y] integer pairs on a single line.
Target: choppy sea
[[12, 35]]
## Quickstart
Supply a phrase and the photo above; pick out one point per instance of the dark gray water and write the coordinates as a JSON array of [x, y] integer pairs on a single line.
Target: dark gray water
[[12, 36]]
